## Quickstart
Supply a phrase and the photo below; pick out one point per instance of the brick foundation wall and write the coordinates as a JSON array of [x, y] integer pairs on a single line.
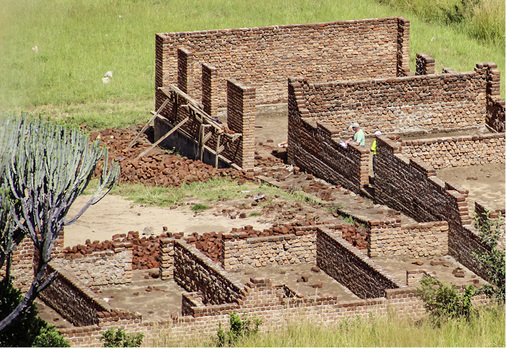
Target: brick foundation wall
[[96, 268], [194, 271], [265, 57], [457, 151], [391, 238], [268, 251], [346, 264], [314, 147]]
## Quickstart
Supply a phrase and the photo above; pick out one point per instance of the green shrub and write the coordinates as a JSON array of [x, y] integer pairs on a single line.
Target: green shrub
[[49, 336], [443, 302], [239, 328], [119, 338], [491, 259]]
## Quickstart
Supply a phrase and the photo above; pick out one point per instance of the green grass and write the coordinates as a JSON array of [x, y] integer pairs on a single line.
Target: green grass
[[485, 329], [199, 207], [205, 192], [79, 41]]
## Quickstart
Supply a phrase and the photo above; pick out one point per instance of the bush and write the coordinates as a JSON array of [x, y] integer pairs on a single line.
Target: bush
[[29, 330], [113, 338], [443, 302], [491, 259], [238, 328]]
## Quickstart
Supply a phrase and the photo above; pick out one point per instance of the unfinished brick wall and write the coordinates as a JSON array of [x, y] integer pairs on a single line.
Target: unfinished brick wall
[[412, 187], [314, 147], [96, 268], [268, 251], [196, 272], [391, 238], [402, 104], [238, 150], [495, 106], [72, 299], [460, 151], [346, 264], [265, 57]]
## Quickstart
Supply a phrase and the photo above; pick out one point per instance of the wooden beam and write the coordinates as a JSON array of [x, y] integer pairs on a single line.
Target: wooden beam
[[163, 138], [132, 143]]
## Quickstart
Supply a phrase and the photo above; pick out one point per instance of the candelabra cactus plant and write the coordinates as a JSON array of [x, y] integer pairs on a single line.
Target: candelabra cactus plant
[[44, 168]]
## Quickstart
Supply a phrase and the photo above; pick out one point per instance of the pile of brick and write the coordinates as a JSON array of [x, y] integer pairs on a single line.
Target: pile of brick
[[158, 167], [357, 235]]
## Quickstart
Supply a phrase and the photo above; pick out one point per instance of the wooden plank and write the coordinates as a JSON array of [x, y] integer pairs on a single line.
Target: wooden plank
[[163, 138], [132, 143]]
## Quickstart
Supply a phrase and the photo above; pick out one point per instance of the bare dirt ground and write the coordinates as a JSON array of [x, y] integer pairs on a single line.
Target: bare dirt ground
[[116, 215]]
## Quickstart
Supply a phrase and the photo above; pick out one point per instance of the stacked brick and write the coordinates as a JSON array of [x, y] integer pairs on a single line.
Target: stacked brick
[[268, 251], [196, 272], [265, 57], [424, 64], [391, 238], [346, 264], [99, 263], [403, 104], [458, 151]]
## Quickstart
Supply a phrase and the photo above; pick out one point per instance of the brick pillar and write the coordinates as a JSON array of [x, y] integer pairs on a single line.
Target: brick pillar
[[424, 64], [495, 105], [184, 64], [159, 70], [403, 47], [210, 89], [166, 252], [241, 103]]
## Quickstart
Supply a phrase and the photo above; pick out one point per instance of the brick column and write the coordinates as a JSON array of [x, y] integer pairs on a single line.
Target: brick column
[[184, 65], [166, 252], [403, 47], [424, 64], [241, 103], [210, 89]]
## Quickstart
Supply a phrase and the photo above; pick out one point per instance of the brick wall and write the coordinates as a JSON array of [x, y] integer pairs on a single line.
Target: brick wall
[[268, 251], [240, 120], [411, 186], [105, 267], [495, 106], [314, 147], [402, 104], [391, 238], [265, 57], [72, 298], [347, 265], [457, 151], [196, 272]]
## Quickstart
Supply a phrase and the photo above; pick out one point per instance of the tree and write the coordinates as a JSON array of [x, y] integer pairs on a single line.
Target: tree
[[44, 167]]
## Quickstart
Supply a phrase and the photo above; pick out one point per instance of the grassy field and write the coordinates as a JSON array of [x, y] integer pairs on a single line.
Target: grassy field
[[54, 54]]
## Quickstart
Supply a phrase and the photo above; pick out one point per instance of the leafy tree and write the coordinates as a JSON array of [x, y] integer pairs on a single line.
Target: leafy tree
[[44, 167], [113, 338], [491, 259], [443, 302]]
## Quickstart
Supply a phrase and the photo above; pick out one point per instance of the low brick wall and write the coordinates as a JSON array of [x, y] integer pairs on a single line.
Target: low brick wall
[[457, 151], [268, 251], [314, 147], [72, 299], [106, 267], [391, 238], [196, 272], [351, 267]]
